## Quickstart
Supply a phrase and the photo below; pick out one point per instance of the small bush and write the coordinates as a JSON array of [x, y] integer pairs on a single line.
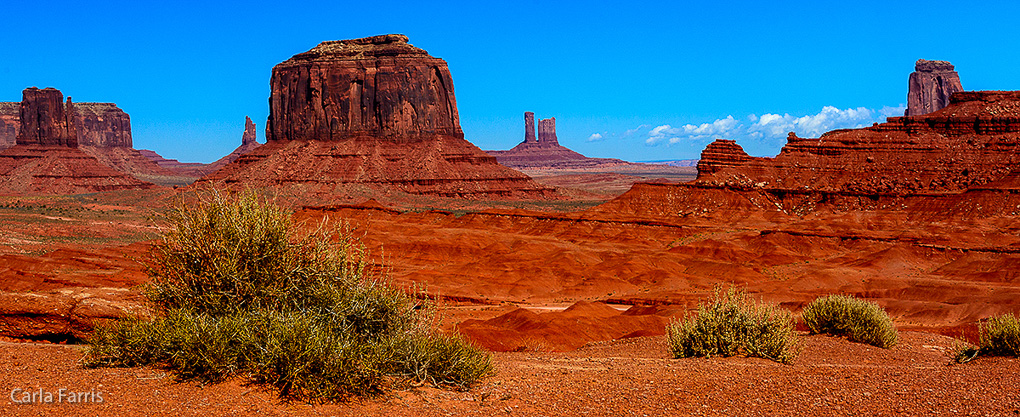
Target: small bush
[[237, 291], [731, 325], [997, 336], [858, 320]]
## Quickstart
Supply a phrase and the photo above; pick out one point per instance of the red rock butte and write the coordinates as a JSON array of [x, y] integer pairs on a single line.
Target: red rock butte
[[374, 111], [546, 151], [930, 86], [46, 158], [101, 130]]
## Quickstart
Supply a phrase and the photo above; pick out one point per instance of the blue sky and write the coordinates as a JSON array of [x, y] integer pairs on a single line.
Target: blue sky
[[631, 80]]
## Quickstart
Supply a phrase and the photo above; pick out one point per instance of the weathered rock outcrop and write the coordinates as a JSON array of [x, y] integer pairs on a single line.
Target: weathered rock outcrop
[[95, 124], [379, 87], [930, 86], [721, 154], [102, 130], [529, 127], [546, 151], [103, 125], [46, 119], [10, 121], [960, 159], [248, 137], [373, 111], [547, 132], [46, 158]]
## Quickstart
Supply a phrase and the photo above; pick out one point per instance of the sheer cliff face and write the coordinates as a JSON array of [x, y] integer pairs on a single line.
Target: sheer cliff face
[[371, 115], [379, 87], [45, 119], [102, 125], [930, 86]]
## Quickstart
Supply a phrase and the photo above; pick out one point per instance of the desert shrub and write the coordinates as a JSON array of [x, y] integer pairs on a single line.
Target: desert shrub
[[237, 290], [731, 325], [997, 336], [1000, 336], [859, 320]]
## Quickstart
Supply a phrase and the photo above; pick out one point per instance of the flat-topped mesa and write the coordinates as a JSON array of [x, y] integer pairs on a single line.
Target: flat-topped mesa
[[375, 88], [529, 127], [547, 132], [368, 117], [46, 119], [103, 125], [930, 86]]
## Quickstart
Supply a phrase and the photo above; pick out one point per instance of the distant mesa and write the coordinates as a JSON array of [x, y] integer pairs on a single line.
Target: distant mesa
[[101, 130], [930, 86], [46, 157], [960, 160], [545, 151], [101, 125], [370, 112]]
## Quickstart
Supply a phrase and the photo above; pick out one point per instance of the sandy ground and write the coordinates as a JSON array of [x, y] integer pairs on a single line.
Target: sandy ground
[[633, 377]]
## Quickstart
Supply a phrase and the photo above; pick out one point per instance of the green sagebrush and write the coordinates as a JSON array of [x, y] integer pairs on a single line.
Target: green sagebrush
[[238, 291], [997, 336], [859, 320], [731, 325]]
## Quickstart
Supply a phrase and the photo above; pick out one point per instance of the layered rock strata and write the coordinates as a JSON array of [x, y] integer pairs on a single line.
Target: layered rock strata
[[930, 86], [46, 119], [103, 125], [95, 124], [373, 111], [960, 159], [46, 158]]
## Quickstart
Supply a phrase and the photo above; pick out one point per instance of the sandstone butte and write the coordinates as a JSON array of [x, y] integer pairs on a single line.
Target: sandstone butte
[[545, 151], [46, 157], [103, 131], [959, 160], [930, 86], [372, 112]]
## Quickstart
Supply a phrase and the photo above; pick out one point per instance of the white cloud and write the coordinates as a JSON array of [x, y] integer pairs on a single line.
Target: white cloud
[[595, 137], [769, 128], [631, 132]]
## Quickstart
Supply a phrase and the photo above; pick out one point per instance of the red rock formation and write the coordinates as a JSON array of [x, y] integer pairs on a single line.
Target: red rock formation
[[249, 132], [721, 154], [10, 121], [248, 143], [967, 150], [930, 86], [546, 151], [373, 111], [379, 87], [547, 132], [529, 127], [58, 169], [103, 125], [46, 158], [96, 124], [45, 120]]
